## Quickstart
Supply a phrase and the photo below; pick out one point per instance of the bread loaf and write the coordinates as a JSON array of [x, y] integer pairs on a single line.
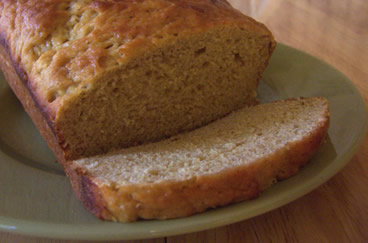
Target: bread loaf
[[98, 75], [229, 160]]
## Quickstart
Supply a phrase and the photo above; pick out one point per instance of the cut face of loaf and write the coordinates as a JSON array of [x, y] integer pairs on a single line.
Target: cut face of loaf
[[229, 160], [110, 74]]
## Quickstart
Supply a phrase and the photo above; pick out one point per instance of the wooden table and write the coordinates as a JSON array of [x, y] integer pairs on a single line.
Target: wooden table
[[336, 31]]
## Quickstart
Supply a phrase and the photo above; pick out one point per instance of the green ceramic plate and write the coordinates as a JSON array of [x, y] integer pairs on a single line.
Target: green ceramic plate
[[37, 199]]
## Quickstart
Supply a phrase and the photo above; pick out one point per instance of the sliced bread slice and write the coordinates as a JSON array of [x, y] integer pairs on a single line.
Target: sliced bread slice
[[230, 160]]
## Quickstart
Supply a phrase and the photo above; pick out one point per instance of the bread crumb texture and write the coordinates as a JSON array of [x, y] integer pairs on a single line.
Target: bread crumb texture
[[238, 139]]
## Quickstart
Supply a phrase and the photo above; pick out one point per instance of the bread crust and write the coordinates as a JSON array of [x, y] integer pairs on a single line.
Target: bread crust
[[15, 79], [172, 199], [87, 192], [26, 25]]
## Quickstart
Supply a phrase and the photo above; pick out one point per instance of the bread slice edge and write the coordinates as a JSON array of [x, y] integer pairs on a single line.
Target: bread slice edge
[[173, 199]]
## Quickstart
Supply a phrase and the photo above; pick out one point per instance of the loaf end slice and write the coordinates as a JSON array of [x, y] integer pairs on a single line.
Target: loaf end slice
[[227, 161]]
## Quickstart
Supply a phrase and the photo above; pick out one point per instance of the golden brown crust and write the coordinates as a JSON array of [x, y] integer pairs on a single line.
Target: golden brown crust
[[87, 192], [43, 42], [21, 91], [172, 199]]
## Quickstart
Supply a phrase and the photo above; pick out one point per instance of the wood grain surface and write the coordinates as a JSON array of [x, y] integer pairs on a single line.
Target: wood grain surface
[[335, 31]]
